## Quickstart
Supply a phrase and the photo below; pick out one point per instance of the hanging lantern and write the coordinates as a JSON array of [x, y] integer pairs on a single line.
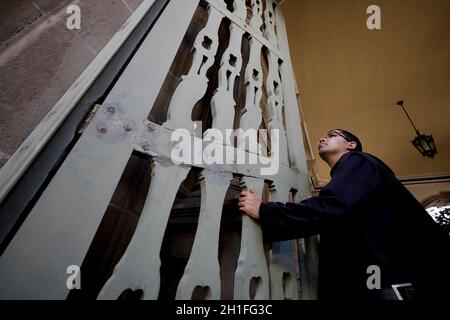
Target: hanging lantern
[[422, 142]]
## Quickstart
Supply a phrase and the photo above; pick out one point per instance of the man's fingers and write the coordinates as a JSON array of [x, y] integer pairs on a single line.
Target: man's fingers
[[249, 192], [246, 198]]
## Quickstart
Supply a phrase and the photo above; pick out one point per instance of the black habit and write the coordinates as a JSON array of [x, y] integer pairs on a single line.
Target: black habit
[[365, 217]]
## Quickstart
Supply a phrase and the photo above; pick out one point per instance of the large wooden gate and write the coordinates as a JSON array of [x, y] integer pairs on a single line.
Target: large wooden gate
[[235, 74]]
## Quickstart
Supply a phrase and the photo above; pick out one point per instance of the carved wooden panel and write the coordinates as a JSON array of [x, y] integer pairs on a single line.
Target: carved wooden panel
[[252, 276], [60, 227], [121, 126], [239, 9], [203, 270], [256, 20], [193, 85], [222, 103], [283, 281], [251, 114], [275, 104], [139, 266], [269, 17]]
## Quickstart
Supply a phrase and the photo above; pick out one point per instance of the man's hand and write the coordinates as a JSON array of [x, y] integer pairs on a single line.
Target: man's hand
[[249, 202]]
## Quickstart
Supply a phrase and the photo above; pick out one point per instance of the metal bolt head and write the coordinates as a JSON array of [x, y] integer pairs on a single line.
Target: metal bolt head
[[145, 146], [150, 127], [102, 130], [127, 127]]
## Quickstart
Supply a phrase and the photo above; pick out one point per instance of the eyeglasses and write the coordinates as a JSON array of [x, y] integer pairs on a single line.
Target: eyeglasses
[[334, 133]]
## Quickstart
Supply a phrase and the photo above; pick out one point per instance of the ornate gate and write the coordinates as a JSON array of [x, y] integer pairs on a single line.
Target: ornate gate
[[225, 63]]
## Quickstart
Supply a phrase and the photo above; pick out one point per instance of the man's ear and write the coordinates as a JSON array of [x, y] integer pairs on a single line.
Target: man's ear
[[351, 145]]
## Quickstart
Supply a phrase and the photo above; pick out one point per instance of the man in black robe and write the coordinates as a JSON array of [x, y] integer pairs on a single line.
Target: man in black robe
[[365, 218]]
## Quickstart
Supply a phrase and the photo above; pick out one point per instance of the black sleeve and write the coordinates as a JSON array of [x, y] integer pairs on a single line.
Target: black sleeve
[[351, 185]]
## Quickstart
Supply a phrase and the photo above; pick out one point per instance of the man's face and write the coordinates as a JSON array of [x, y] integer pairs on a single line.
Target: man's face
[[333, 143]]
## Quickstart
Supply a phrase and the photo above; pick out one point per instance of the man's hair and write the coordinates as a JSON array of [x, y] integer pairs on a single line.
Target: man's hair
[[350, 137]]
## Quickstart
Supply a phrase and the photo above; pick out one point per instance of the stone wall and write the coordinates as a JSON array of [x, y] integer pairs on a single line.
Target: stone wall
[[40, 57]]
